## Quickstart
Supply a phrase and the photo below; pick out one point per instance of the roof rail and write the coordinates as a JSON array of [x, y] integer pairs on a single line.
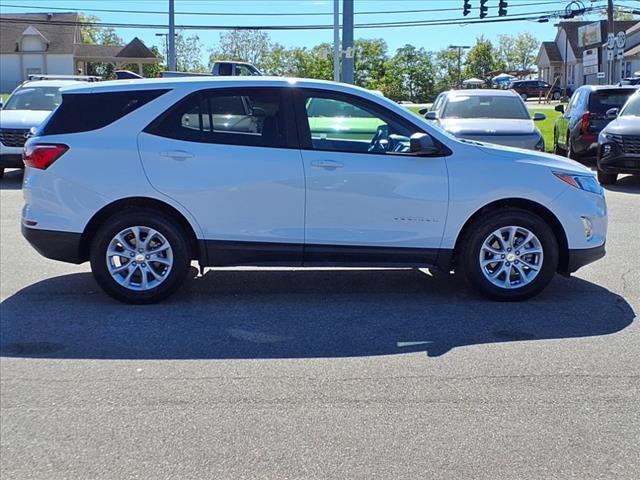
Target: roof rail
[[80, 78]]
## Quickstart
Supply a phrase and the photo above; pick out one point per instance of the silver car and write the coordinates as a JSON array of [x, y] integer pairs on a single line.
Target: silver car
[[493, 116]]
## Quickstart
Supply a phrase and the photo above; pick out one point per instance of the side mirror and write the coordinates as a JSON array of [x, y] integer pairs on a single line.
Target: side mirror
[[431, 115], [423, 111], [422, 144], [612, 113], [538, 117], [559, 108]]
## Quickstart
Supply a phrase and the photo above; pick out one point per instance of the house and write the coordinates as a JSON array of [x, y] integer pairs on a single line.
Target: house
[[50, 43], [576, 56]]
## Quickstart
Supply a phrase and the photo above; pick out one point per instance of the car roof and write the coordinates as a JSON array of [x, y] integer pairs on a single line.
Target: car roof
[[51, 83], [473, 92], [189, 83], [596, 88]]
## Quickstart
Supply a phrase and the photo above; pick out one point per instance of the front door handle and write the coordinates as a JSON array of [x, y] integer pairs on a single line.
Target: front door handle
[[327, 164], [176, 155]]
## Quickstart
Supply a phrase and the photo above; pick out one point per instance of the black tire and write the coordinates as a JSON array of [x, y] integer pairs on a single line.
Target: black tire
[[556, 147], [607, 178], [469, 254], [570, 152], [556, 95], [172, 232], [1, 172]]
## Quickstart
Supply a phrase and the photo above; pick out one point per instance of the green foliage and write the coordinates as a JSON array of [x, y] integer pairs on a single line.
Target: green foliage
[[370, 58], [480, 60], [447, 69], [94, 34], [518, 52], [409, 75], [189, 53]]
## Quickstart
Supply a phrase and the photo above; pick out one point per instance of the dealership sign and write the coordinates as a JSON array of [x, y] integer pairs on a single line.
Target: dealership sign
[[589, 35]]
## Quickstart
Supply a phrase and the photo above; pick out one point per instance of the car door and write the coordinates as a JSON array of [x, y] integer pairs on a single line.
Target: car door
[[567, 119], [368, 199], [231, 158]]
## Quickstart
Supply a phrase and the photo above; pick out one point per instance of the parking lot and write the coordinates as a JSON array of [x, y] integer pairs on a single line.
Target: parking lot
[[284, 373]]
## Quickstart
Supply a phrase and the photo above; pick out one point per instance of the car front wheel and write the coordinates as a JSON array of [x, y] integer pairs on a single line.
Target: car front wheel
[[140, 256], [607, 178], [509, 255]]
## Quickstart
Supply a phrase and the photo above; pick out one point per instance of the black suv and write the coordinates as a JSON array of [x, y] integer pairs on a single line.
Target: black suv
[[576, 131], [536, 88]]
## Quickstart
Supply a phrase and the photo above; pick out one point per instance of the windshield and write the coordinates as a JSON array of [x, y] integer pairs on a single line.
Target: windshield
[[602, 100], [632, 108], [485, 106], [34, 98]]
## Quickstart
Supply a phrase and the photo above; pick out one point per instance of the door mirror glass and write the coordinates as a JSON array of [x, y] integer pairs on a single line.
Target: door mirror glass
[[431, 115], [422, 144], [612, 113], [538, 117], [559, 108], [423, 111]]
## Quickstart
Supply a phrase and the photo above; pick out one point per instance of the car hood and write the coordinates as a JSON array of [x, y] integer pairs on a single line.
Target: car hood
[[531, 157], [624, 125], [22, 118], [488, 126]]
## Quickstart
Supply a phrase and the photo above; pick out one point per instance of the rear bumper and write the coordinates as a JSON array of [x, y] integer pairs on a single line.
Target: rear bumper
[[61, 246], [578, 258]]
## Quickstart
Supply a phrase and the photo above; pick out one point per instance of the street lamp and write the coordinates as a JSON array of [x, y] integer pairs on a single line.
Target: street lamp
[[461, 49]]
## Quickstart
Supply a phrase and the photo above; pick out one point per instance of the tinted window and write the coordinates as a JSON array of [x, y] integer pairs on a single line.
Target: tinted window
[[485, 106], [633, 107], [34, 98], [237, 117], [81, 112], [347, 124], [602, 100]]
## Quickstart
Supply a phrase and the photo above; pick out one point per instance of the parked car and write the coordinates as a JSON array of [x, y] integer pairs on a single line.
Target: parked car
[[26, 108], [494, 116], [537, 88], [619, 142], [629, 81], [123, 176], [575, 132], [221, 68]]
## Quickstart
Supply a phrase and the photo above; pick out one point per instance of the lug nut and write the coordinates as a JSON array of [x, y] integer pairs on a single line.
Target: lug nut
[[508, 264], [148, 257], [133, 263], [132, 254], [517, 253], [502, 256]]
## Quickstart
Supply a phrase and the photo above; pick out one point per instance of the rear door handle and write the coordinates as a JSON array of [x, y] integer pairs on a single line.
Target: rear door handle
[[327, 164], [176, 155]]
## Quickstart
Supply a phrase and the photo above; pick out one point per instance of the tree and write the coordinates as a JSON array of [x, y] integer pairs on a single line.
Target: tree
[[314, 63], [447, 69], [369, 62], [253, 46], [94, 34], [189, 53], [519, 52], [409, 75], [481, 59]]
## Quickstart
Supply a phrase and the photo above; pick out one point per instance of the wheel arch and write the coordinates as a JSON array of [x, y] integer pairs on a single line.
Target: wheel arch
[[138, 202], [528, 205]]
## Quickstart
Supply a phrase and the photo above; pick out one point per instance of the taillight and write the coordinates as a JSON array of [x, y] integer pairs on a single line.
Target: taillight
[[584, 122], [42, 155]]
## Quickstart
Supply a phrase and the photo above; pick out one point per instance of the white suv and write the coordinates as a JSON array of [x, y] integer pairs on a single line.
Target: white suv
[[142, 177]]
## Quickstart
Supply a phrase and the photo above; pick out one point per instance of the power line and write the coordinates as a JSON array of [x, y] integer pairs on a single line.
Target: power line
[[411, 23], [269, 14]]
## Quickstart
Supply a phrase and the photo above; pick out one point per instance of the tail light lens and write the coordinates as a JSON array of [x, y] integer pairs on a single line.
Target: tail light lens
[[42, 155], [584, 122]]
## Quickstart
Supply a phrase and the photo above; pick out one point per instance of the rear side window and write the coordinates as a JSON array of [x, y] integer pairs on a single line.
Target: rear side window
[[602, 100], [248, 116], [82, 112]]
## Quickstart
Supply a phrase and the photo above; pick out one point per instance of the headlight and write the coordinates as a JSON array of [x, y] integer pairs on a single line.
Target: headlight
[[588, 183]]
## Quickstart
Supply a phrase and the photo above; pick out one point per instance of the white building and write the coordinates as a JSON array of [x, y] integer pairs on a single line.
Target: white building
[[34, 43], [576, 55]]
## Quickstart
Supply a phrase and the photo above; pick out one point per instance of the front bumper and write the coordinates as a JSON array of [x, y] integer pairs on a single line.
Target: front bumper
[[617, 161], [580, 257], [61, 246], [11, 160]]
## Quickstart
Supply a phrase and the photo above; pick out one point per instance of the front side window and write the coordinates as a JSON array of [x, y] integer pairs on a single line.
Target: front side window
[[345, 124], [632, 108], [236, 117], [485, 106], [35, 98]]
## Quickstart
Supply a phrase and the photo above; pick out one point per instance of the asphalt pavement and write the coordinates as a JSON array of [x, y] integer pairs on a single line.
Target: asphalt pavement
[[320, 374]]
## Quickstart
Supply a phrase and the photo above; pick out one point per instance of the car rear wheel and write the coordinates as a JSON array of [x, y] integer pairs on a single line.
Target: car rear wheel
[[607, 178], [556, 95], [556, 147], [509, 255], [570, 151], [140, 256]]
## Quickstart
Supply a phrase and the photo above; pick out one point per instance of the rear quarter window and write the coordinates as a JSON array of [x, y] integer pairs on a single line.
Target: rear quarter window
[[83, 112]]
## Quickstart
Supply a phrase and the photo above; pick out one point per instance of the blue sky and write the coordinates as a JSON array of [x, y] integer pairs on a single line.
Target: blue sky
[[430, 37]]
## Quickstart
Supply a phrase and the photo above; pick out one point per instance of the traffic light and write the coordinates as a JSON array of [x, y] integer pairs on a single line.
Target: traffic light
[[467, 8], [483, 8], [502, 8]]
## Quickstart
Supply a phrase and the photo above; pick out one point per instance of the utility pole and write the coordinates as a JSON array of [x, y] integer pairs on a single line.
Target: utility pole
[[347, 41], [460, 49], [610, 31], [336, 40], [171, 54]]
